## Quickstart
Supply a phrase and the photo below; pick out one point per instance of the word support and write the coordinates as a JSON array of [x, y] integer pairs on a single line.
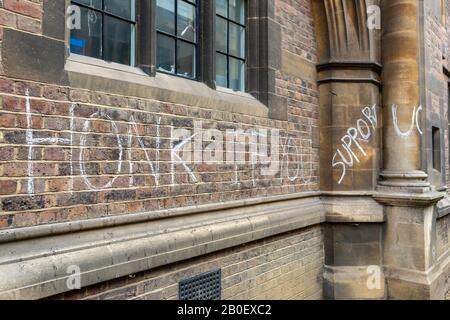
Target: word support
[[351, 149]]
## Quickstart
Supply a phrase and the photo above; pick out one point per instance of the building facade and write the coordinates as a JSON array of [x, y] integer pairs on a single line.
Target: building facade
[[244, 149]]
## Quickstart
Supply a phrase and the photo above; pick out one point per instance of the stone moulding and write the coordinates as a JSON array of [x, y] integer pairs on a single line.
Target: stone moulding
[[38, 267], [353, 209], [92, 74], [9, 235], [403, 199]]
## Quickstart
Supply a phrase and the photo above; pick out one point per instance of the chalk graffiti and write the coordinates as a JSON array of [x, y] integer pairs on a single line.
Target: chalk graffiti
[[362, 133], [286, 155], [86, 128], [185, 145], [257, 153], [414, 122], [132, 128], [31, 141]]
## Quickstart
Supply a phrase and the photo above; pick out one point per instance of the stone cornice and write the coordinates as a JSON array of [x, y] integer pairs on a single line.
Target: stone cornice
[[408, 199], [369, 65], [346, 208], [19, 234], [349, 72], [37, 268], [10, 235]]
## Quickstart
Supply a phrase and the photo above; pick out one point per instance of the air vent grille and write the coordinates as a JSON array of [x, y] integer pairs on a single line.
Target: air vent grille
[[206, 286]]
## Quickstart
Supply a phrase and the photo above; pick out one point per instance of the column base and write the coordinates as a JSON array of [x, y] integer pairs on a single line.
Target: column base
[[405, 181], [433, 284], [412, 268], [354, 283]]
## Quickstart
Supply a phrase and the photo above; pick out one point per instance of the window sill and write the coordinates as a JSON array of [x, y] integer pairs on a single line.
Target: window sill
[[97, 75]]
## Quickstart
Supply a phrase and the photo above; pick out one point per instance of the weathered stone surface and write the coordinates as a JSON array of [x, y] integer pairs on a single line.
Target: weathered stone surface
[[31, 57]]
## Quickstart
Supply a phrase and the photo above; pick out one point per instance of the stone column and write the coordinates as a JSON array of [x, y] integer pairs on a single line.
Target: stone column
[[409, 245], [401, 96]]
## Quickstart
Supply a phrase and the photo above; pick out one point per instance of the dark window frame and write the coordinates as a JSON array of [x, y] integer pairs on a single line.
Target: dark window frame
[[197, 44], [105, 14], [227, 54], [262, 62], [436, 147]]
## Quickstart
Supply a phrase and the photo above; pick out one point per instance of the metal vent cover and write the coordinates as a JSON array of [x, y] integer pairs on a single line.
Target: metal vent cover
[[207, 286]]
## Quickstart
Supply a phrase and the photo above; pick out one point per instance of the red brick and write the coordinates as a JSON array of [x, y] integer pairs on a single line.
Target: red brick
[[7, 19], [6, 86], [28, 24], [13, 104], [7, 120], [6, 153], [54, 154], [58, 185], [8, 187], [6, 221], [24, 7]]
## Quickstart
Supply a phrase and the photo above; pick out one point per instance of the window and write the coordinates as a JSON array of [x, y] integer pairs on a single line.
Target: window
[[107, 30], [176, 25], [199, 40], [436, 148], [230, 44]]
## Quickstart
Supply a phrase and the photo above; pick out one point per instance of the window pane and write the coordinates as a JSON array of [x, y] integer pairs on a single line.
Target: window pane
[[237, 11], [117, 40], [92, 3], [221, 70], [221, 7], [88, 40], [122, 8], [186, 59], [237, 75], [186, 21], [165, 16], [221, 35], [166, 54], [237, 40]]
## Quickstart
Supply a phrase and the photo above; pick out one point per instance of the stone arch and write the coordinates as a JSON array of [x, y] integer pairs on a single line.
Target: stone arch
[[342, 32]]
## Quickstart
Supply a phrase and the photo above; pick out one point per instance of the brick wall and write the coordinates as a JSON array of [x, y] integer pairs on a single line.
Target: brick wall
[[296, 20], [25, 15], [69, 154], [436, 88], [283, 267], [80, 165]]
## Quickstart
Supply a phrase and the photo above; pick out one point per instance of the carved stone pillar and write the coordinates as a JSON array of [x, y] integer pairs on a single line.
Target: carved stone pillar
[[349, 84], [409, 247], [401, 96], [350, 123]]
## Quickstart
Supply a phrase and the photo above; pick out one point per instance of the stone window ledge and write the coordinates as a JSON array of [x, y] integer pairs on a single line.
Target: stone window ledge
[[97, 75]]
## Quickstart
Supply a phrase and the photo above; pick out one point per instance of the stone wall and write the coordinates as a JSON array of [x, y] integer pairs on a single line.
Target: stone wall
[[436, 92]]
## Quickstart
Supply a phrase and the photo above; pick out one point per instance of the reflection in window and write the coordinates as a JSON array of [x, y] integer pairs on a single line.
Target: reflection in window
[[176, 24], [107, 30], [230, 44]]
